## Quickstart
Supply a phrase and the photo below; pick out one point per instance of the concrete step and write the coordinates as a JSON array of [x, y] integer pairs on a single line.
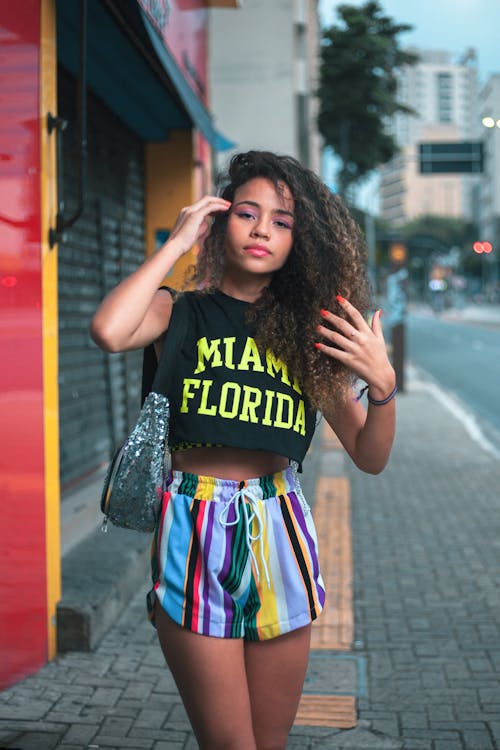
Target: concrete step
[[100, 575]]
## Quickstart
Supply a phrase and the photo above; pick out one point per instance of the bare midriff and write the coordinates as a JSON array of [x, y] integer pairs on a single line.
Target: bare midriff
[[228, 463]]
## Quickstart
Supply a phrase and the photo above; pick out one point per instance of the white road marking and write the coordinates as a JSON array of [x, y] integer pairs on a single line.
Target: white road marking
[[420, 380]]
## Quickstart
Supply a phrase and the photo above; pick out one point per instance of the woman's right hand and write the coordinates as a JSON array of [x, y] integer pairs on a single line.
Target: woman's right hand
[[193, 222], [135, 312]]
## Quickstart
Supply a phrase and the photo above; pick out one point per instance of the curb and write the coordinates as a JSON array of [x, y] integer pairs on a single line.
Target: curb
[[99, 578]]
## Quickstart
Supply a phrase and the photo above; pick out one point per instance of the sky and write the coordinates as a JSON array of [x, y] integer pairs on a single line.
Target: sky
[[452, 25]]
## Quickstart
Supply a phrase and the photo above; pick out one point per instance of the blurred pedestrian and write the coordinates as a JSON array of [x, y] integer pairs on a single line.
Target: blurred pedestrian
[[276, 335]]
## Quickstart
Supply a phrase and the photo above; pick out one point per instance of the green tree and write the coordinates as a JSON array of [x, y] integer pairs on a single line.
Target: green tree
[[358, 88], [449, 232]]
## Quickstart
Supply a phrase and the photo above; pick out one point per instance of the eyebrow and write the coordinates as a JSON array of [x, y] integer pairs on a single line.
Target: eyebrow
[[280, 211]]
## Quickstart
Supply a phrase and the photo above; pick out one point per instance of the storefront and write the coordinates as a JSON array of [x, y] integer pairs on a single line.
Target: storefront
[[105, 136]]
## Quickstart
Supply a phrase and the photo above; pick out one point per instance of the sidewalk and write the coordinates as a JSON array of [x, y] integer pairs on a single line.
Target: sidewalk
[[424, 666], [426, 560]]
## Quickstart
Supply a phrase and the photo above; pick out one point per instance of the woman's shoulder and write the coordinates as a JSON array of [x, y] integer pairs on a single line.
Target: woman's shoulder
[[212, 301], [179, 294], [199, 296]]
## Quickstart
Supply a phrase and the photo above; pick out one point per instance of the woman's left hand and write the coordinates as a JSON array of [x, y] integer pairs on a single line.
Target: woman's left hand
[[358, 346]]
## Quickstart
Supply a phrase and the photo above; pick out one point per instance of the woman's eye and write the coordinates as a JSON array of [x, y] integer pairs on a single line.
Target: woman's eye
[[245, 215], [283, 224]]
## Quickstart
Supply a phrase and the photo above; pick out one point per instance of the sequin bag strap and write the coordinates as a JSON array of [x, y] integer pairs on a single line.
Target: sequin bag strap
[[149, 358], [172, 343]]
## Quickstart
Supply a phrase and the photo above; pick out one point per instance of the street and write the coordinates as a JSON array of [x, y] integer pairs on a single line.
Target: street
[[464, 358]]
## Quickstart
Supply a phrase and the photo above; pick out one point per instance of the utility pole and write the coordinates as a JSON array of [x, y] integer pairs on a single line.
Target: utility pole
[[397, 300]]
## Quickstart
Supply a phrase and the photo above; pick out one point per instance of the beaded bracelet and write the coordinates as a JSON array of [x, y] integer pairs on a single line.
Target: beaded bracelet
[[374, 401]]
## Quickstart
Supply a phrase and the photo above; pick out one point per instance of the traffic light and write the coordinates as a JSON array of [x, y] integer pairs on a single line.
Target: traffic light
[[398, 252], [482, 247]]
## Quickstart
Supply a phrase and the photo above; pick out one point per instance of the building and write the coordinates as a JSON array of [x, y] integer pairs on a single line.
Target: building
[[443, 94], [489, 201], [262, 66], [105, 135]]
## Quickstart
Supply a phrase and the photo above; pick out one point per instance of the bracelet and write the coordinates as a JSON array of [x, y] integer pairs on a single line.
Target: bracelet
[[375, 401], [382, 401]]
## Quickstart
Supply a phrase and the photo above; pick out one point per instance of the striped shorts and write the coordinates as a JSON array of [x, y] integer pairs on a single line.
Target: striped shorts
[[236, 559]]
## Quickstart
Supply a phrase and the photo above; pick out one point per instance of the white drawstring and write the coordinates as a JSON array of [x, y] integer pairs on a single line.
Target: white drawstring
[[238, 501]]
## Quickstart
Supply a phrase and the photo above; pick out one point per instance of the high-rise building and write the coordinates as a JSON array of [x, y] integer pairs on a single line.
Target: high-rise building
[[443, 93], [489, 192], [263, 61]]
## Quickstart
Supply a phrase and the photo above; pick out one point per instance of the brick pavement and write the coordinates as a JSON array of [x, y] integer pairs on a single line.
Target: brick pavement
[[121, 696], [425, 539]]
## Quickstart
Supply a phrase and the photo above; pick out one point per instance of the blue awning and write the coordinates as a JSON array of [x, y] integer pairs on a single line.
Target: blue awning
[[196, 110]]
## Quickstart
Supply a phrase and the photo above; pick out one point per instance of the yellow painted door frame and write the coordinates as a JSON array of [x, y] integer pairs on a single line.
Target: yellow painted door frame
[[48, 191]]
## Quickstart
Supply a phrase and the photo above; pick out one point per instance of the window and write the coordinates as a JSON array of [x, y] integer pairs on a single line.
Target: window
[[445, 97]]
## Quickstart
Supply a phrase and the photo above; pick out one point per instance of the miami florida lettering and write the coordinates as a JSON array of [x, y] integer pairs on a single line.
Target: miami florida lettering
[[232, 400]]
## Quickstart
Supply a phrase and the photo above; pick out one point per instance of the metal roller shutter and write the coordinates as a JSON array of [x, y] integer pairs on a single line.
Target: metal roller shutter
[[99, 393]]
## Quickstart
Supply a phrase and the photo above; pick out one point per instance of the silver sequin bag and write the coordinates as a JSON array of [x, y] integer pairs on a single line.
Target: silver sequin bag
[[136, 477]]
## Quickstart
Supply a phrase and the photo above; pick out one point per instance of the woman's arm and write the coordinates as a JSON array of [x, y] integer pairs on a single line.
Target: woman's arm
[[135, 312], [368, 435]]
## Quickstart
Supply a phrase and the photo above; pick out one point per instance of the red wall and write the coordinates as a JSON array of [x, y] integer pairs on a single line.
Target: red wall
[[185, 35], [23, 606]]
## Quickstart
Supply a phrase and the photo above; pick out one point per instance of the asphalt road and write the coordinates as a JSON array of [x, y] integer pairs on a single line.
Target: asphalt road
[[464, 359]]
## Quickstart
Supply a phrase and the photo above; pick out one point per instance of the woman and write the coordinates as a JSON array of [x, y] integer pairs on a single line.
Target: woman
[[277, 334]]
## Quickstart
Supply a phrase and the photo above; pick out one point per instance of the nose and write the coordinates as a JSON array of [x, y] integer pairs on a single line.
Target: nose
[[261, 229]]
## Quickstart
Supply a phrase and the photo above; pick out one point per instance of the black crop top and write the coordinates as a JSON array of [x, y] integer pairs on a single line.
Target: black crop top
[[225, 391]]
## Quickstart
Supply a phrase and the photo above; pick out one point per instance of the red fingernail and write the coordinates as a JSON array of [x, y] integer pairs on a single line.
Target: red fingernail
[[340, 299], [324, 313], [318, 328], [318, 346], [380, 313]]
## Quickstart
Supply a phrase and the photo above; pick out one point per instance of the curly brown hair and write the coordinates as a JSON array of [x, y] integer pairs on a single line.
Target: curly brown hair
[[327, 258]]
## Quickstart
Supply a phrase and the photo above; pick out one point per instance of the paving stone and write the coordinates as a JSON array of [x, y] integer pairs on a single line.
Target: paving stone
[[26, 709], [13, 725], [477, 740], [68, 690], [80, 734], [491, 708], [112, 683], [140, 690], [102, 740], [63, 717], [36, 741], [104, 697], [150, 718], [116, 726], [331, 673], [448, 745], [480, 665], [388, 727], [164, 734]]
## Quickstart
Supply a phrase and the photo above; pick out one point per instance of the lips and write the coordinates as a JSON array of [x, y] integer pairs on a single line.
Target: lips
[[258, 251]]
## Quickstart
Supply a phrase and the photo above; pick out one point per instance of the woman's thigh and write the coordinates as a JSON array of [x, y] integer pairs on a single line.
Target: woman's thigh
[[211, 678], [275, 676]]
